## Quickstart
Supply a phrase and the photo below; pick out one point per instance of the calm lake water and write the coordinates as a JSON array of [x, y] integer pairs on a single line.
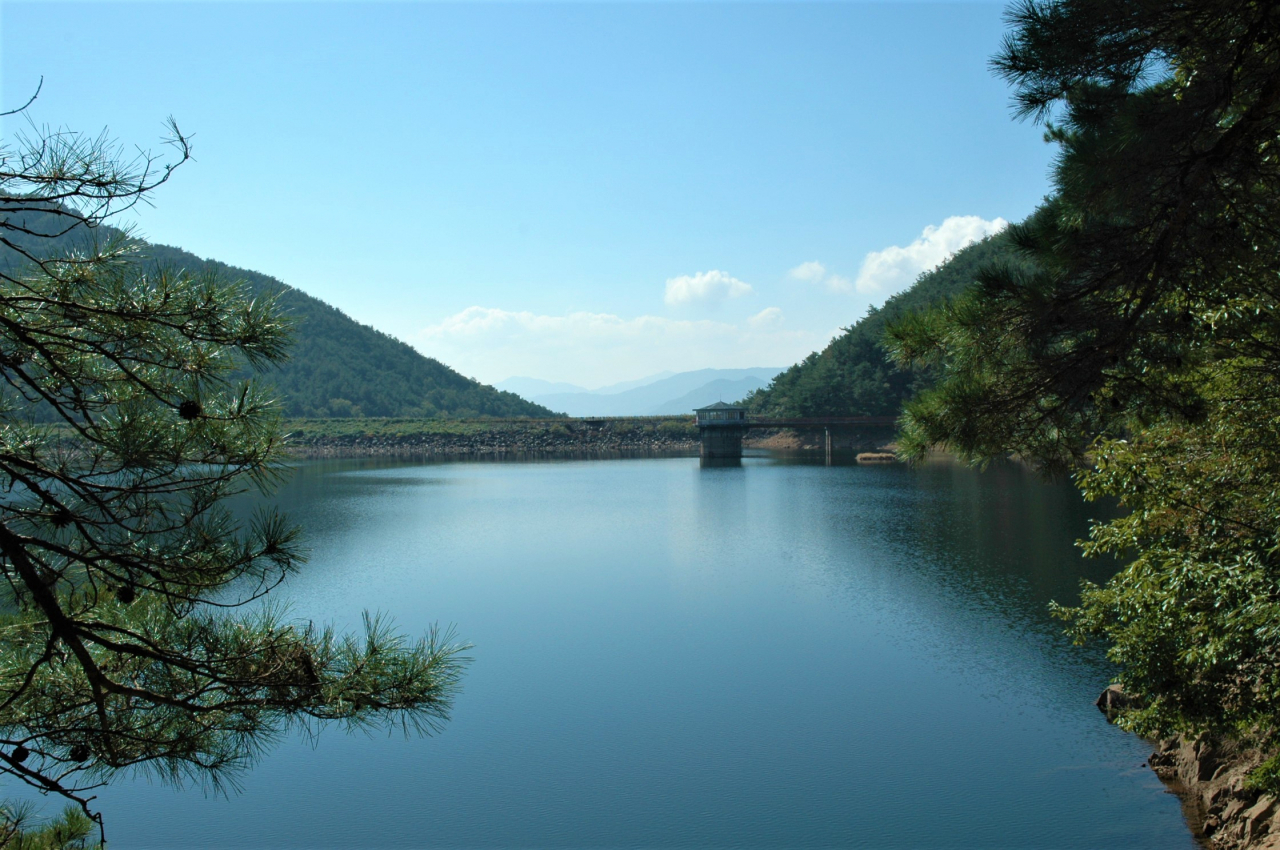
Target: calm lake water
[[776, 655]]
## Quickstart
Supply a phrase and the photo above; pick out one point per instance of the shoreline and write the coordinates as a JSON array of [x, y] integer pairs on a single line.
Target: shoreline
[[498, 437], [1208, 776], [637, 436]]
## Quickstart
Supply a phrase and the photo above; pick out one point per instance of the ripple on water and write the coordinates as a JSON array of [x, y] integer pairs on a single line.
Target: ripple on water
[[772, 655]]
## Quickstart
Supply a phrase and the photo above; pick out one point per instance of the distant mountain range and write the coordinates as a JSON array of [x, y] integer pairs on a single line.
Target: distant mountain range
[[657, 395], [527, 388]]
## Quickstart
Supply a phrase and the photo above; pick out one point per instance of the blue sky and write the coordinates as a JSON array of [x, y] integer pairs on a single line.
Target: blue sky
[[585, 192]]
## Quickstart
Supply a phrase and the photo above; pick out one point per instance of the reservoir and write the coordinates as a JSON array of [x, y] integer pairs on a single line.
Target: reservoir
[[779, 654]]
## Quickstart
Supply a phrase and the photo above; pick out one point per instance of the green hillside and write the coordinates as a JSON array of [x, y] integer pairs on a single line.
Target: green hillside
[[853, 376], [338, 367]]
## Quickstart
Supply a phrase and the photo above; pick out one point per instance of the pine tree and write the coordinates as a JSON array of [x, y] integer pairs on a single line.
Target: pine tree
[[1142, 336], [123, 644]]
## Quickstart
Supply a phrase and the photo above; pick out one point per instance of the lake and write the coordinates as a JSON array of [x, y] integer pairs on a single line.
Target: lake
[[779, 654]]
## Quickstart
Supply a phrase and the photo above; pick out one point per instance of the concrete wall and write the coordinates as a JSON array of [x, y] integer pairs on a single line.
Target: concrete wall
[[722, 442]]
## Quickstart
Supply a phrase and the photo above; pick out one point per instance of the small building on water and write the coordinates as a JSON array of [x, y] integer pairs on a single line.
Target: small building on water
[[720, 427]]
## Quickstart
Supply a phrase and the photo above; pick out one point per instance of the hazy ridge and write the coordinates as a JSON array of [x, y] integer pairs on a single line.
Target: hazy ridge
[[657, 395]]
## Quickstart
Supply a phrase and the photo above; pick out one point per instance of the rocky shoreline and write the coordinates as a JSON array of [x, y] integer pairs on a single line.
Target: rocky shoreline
[[1209, 777]]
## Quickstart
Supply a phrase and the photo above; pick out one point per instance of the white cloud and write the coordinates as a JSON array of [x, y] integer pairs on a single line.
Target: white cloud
[[815, 272], [704, 287], [592, 349], [811, 271], [838, 283], [767, 317], [895, 268]]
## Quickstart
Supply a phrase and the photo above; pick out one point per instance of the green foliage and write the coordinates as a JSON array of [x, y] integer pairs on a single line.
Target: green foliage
[[682, 428], [1194, 618], [853, 375], [121, 567], [70, 830], [340, 408], [1140, 333], [1265, 778], [302, 430], [336, 367]]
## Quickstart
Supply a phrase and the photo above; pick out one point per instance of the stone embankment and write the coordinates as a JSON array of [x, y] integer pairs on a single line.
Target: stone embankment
[[603, 437], [552, 438]]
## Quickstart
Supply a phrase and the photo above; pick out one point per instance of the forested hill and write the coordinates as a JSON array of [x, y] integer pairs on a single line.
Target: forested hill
[[853, 376], [338, 367]]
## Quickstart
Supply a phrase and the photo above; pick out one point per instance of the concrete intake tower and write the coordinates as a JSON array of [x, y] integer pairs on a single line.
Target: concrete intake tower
[[720, 427]]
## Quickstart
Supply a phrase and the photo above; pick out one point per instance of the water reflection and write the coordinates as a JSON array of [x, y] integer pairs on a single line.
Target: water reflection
[[782, 654]]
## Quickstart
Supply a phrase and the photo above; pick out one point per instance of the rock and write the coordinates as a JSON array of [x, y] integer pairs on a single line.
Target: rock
[[1189, 761], [1215, 797], [1112, 701], [1166, 749], [1207, 761], [1257, 820]]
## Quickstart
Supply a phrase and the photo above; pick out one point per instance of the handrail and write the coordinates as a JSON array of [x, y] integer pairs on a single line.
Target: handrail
[[818, 421]]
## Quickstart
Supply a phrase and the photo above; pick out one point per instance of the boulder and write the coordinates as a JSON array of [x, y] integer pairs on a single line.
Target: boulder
[[1112, 701], [1257, 820]]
